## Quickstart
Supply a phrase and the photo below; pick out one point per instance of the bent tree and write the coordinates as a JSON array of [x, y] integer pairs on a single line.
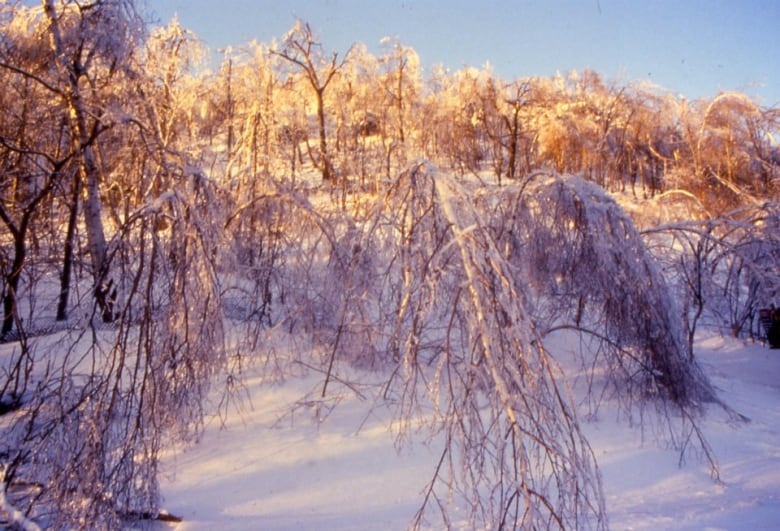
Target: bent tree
[[465, 359], [589, 270]]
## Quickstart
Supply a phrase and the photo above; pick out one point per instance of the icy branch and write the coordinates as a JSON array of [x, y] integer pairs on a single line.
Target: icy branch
[[15, 516]]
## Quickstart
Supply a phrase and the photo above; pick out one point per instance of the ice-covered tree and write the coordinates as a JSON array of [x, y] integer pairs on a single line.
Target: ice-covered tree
[[588, 269], [90, 408], [402, 84], [89, 44], [422, 294], [725, 268], [302, 51]]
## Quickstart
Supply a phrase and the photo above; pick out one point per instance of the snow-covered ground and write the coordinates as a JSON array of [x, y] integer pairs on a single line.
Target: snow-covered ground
[[269, 465]]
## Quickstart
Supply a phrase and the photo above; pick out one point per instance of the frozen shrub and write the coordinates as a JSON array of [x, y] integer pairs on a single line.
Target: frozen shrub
[[470, 365], [587, 268], [108, 398]]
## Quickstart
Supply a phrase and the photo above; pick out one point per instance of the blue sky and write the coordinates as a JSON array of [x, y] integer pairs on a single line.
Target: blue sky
[[691, 47]]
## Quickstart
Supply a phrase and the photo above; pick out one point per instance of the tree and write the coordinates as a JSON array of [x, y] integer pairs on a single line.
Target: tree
[[89, 44], [33, 158], [509, 429], [19, 232], [588, 269], [402, 85], [727, 141], [724, 267], [87, 435], [504, 106], [302, 50], [171, 58]]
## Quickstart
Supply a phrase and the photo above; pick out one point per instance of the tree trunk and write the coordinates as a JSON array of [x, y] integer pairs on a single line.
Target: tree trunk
[[83, 140], [19, 234], [514, 131], [67, 259], [325, 168], [12, 280], [93, 219]]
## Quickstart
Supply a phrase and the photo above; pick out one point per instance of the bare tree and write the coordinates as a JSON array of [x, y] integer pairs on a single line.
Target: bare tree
[[302, 50], [88, 423], [509, 429], [402, 88], [503, 111], [725, 268], [19, 232], [88, 437], [589, 272], [89, 43]]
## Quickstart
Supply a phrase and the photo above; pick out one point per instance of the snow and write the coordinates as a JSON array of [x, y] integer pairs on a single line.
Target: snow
[[647, 489], [267, 469], [284, 460]]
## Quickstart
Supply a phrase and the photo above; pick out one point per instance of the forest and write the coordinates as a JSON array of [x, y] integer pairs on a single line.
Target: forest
[[170, 219]]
